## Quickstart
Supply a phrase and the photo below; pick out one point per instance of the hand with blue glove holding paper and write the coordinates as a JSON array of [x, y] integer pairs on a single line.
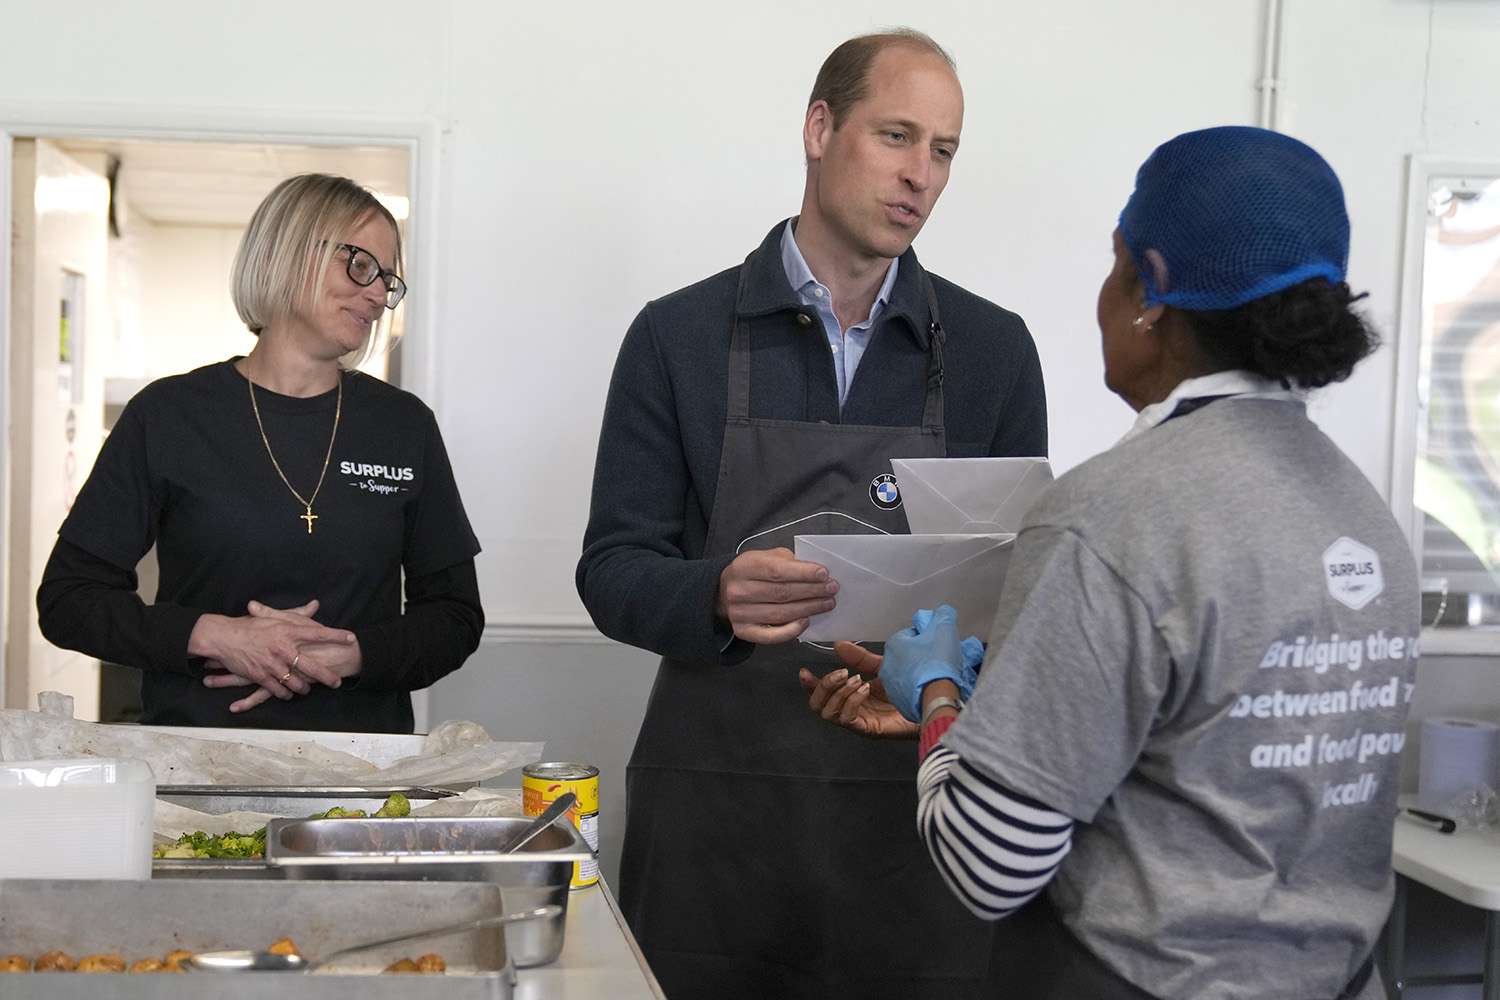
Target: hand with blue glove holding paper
[[928, 651], [891, 704]]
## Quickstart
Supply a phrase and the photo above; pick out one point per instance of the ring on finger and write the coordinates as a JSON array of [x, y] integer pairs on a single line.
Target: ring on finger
[[296, 660], [286, 677]]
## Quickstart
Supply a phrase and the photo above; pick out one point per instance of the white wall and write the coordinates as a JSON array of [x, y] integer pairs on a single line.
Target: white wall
[[651, 145], [187, 316], [56, 420], [584, 154], [170, 299], [124, 345], [1369, 84], [170, 286], [596, 157]]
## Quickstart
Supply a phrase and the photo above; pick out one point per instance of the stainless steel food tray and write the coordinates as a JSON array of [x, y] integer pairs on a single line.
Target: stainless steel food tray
[[236, 868], [455, 849], [145, 919], [291, 801]]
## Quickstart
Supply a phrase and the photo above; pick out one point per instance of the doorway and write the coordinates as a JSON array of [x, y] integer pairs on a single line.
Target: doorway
[[119, 275]]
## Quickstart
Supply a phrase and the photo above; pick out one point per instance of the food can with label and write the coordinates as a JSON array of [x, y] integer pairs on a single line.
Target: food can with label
[[543, 783]]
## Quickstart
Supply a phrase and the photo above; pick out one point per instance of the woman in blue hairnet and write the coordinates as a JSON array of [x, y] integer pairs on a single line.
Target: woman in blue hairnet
[[1187, 724]]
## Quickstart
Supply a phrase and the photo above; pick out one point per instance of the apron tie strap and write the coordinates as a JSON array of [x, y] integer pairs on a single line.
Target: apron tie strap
[[932, 410], [739, 360]]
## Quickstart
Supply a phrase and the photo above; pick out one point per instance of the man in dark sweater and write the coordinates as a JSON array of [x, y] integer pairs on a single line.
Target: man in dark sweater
[[735, 421]]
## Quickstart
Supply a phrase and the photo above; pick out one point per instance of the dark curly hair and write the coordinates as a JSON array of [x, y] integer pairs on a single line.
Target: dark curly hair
[[1306, 335]]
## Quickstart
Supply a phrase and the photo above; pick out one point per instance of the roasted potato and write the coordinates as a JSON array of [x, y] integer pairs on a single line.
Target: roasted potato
[[101, 963], [284, 946], [55, 961], [432, 963], [405, 965], [15, 963], [148, 965]]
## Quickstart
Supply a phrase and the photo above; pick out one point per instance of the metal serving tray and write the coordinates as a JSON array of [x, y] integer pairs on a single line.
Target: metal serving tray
[[293, 801], [148, 919], [455, 849]]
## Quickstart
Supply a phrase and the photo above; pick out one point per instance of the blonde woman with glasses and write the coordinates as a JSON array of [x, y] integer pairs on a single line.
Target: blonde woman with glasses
[[286, 495]]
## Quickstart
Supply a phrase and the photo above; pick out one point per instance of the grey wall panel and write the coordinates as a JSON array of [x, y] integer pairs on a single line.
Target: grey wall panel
[[585, 699]]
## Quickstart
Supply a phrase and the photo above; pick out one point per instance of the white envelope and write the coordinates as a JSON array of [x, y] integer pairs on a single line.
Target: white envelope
[[969, 495], [883, 579]]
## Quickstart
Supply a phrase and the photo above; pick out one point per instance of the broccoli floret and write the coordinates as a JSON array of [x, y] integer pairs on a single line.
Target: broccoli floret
[[240, 845], [229, 845], [339, 812], [395, 806]]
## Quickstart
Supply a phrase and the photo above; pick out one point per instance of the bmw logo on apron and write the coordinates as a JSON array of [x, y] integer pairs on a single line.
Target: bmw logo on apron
[[884, 493]]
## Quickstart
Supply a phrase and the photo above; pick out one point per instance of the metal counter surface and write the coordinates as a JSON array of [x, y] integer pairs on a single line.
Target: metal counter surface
[[599, 960], [600, 957]]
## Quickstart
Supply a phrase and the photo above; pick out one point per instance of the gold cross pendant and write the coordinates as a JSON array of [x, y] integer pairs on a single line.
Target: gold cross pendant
[[309, 517]]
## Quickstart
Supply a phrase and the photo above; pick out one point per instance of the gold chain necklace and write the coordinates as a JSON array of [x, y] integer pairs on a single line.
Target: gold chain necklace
[[306, 502]]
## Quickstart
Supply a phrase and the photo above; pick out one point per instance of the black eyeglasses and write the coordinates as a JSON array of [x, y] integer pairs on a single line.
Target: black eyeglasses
[[364, 269]]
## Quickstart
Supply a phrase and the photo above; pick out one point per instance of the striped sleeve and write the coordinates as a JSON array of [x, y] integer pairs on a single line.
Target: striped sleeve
[[996, 849]]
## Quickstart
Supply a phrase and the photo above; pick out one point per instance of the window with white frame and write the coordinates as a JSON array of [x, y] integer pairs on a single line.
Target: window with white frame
[[1447, 469]]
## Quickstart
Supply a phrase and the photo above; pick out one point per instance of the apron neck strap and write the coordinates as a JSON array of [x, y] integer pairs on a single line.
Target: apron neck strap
[[739, 357], [739, 361], [932, 411]]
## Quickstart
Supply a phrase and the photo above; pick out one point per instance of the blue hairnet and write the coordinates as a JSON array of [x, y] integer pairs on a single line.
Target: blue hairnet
[[1235, 213]]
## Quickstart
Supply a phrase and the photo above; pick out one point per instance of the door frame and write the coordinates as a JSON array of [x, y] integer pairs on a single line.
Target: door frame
[[421, 137]]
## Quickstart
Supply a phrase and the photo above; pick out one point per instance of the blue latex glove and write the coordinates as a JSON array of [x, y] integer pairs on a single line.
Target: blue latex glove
[[928, 651], [971, 647]]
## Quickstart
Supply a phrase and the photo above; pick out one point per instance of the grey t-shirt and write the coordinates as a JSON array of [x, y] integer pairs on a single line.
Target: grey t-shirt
[[1203, 654]]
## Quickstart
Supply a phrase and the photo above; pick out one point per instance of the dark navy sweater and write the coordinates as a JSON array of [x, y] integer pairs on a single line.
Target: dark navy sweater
[[642, 576]]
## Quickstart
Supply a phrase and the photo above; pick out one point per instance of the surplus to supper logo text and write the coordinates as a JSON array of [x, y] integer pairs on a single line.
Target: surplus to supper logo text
[[382, 479]]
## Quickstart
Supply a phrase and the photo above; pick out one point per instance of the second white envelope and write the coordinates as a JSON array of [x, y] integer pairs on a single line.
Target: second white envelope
[[883, 579], [969, 494]]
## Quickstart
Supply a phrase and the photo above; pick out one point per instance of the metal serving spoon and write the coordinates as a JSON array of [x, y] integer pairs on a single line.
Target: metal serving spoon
[[544, 819], [265, 961]]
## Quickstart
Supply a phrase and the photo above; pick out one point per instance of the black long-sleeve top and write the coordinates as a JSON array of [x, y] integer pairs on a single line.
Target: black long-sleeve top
[[186, 468]]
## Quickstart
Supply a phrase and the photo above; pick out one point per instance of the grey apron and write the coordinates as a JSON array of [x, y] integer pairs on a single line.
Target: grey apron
[[769, 853]]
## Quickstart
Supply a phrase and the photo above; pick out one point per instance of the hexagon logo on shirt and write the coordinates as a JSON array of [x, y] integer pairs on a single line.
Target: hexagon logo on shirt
[[1353, 573]]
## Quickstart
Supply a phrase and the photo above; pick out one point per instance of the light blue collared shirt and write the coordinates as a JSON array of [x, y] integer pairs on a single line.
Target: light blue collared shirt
[[849, 345]]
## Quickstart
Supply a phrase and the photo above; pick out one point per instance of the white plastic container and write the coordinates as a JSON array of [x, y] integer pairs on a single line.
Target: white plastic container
[[86, 817]]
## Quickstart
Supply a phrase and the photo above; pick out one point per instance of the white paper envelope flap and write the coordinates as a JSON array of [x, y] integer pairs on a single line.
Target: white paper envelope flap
[[884, 578], [969, 495]]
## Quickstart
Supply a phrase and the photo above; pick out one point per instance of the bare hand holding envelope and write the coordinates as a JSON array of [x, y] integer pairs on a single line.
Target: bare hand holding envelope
[[768, 596]]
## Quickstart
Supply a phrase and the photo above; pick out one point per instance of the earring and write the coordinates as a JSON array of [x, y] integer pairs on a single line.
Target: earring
[[1140, 324]]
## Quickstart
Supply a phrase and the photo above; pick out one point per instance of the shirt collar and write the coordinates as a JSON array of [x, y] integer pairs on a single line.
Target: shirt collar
[[802, 280], [766, 289], [1225, 383]]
